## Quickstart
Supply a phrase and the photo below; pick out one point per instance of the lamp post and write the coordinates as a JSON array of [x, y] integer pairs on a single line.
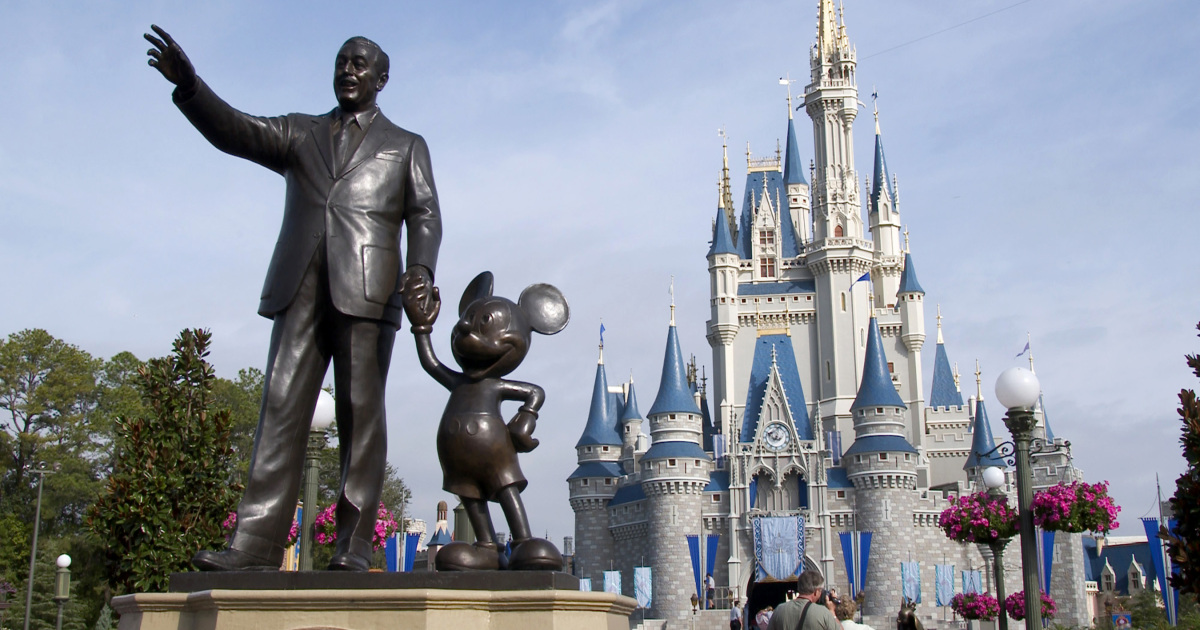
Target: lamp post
[[1018, 390], [993, 479], [323, 416], [37, 519], [62, 586]]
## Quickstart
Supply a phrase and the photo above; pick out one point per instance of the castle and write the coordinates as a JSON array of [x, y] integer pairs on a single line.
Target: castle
[[819, 413]]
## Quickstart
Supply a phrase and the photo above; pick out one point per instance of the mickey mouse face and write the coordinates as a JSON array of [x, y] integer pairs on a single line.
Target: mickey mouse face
[[491, 338], [493, 334]]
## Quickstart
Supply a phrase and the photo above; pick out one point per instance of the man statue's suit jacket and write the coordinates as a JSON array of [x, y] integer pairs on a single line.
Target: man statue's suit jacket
[[355, 209]]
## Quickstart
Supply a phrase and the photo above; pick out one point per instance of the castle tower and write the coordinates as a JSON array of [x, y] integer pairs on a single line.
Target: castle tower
[[674, 472], [723, 324], [594, 482], [983, 445], [882, 466], [631, 431], [798, 202], [884, 220], [911, 303], [947, 420], [838, 254]]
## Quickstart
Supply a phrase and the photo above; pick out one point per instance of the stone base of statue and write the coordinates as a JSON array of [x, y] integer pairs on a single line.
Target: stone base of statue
[[495, 600]]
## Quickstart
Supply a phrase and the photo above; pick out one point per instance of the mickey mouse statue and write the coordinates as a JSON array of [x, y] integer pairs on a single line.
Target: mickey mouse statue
[[478, 452]]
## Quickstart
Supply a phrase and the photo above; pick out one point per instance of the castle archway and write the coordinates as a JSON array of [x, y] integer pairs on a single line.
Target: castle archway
[[770, 592]]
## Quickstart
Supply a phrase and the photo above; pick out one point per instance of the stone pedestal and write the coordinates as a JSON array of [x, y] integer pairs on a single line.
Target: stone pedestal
[[501, 600]]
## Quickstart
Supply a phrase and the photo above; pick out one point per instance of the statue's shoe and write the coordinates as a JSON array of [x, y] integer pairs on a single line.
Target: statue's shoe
[[460, 556], [231, 560], [349, 562], [534, 554]]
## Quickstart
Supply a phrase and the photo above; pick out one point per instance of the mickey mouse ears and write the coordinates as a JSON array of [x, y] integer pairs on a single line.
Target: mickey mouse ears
[[545, 307]]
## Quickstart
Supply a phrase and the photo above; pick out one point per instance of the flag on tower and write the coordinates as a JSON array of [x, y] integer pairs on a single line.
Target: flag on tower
[[1023, 351]]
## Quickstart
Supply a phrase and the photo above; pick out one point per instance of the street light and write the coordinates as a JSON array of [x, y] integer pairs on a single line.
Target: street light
[[993, 479], [62, 586], [37, 519], [1018, 390], [323, 416]]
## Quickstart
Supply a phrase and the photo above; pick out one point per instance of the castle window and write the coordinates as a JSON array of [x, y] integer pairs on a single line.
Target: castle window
[[906, 457], [838, 232], [841, 494], [766, 267], [588, 449], [697, 463], [766, 237], [883, 457], [891, 368], [843, 301], [716, 498], [879, 411], [583, 482], [607, 481], [671, 462], [743, 300], [828, 371], [808, 298], [672, 416], [604, 449]]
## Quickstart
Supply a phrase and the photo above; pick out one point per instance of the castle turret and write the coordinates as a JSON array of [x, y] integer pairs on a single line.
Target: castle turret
[[911, 300], [674, 472], [594, 482], [944, 393], [882, 466], [947, 421], [723, 326], [631, 431], [884, 220], [798, 203], [983, 446]]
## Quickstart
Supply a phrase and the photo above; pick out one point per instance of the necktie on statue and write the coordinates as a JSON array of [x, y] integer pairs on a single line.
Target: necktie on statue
[[346, 139]]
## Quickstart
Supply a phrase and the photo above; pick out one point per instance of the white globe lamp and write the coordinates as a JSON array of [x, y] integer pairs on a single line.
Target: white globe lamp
[[325, 412], [1018, 388], [993, 477]]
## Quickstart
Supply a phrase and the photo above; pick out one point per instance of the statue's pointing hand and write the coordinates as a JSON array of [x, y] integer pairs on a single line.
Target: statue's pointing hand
[[169, 59], [422, 301]]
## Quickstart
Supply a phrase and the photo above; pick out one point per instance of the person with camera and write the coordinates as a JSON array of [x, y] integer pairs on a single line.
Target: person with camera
[[812, 609]]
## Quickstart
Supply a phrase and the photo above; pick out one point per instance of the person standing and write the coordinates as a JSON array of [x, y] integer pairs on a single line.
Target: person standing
[[735, 615], [354, 181], [803, 612], [710, 591]]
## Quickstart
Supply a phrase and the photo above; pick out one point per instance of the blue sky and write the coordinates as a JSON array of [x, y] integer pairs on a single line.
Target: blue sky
[[1046, 159]]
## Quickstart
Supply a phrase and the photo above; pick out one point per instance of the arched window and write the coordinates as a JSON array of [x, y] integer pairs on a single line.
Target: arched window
[[838, 232]]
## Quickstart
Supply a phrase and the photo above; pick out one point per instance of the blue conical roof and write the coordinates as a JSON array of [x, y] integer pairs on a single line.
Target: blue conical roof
[[1045, 419], [777, 351], [601, 427], [982, 441], [881, 182], [793, 168], [876, 389], [908, 278], [722, 242], [944, 393], [631, 409], [674, 396]]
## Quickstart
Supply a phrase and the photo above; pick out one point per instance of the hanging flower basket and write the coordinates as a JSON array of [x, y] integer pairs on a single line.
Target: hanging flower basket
[[326, 527], [978, 518], [1015, 605], [1076, 507], [975, 606], [230, 523]]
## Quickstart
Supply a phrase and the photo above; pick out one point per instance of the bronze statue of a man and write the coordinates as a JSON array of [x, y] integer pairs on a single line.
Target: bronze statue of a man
[[333, 287]]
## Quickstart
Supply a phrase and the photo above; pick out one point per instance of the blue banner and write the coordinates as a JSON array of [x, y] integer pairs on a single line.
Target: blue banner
[[710, 562], [778, 546], [943, 583], [410, 549], [848, 557], [585, 584], [693, 541], [1151, 526], [392, 553], [612, 582], [642, 586], [753, 491], [972, 582], [864, 554], [856, 546], [910, 580], [1047, 566]]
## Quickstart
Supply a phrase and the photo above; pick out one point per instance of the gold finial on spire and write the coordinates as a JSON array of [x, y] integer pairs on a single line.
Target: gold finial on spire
[[905, 239], [827, 31], [939, 323], [1029, 342], [842, 39], [747, 157], [672, 299], [788, 82], [726, 189], [600, 361], [875, 105], [956, 383], [978, 382]]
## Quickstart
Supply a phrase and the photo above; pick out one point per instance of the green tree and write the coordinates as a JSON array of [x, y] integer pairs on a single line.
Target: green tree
[[1185, 550], [170, 485], [48, 389], [1146, 612], [43, 612], [242, 398]]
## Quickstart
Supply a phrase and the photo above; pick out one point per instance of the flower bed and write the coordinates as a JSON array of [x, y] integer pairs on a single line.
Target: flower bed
[[230, 523], [975, 606], [326, 527], [1076, 507], [978, 518], [1015, 605]]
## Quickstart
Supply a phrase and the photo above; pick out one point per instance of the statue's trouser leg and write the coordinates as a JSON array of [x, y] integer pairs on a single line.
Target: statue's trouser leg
[[362, 352], [296, 365], [514, 512], [481, 519]]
